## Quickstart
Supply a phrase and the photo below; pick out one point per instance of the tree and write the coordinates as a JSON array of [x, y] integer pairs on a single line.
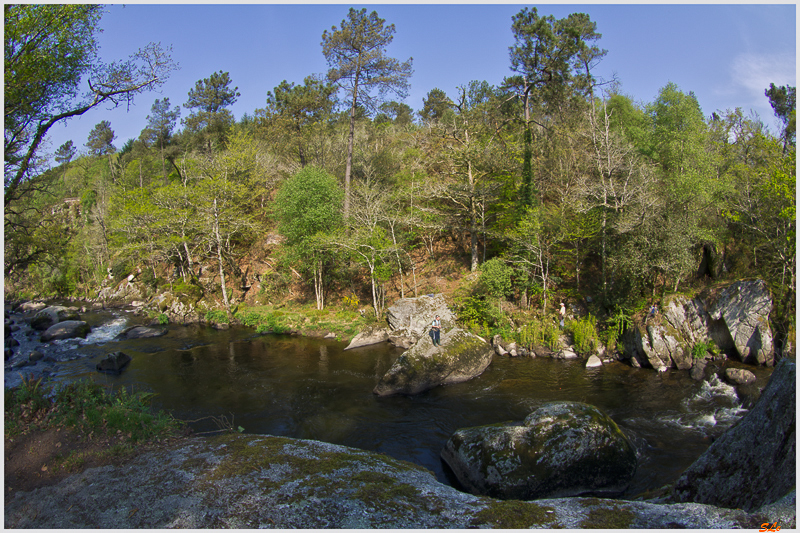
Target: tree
[[294, 113], [49, 49], [552, 58], [160, 125], [65, 153], [356, 54], [784, 103], [307, 210], [100, 139], [210, 121], [435, 105]]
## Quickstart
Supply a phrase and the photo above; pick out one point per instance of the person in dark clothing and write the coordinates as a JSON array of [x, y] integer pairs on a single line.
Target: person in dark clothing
[[436, 327]]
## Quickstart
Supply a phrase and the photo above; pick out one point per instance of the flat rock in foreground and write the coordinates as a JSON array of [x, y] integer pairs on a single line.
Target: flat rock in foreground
[[251, 481]]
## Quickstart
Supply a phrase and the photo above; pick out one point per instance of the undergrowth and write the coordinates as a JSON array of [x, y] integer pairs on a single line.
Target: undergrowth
[[87, 407]]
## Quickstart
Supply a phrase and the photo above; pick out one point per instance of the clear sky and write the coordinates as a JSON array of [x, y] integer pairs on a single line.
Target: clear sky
[[727, 54]]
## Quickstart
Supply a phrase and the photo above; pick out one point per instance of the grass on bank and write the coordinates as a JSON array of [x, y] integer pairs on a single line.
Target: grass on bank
[[88, 408], [345, 321]]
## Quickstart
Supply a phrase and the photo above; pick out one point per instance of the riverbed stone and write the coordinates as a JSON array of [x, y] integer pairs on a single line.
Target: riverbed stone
[[53, 315], [739, 376], [114, 363], [461, 356], [68, 329], [593, 362], [141, 332], [561, 449], [753, 463]]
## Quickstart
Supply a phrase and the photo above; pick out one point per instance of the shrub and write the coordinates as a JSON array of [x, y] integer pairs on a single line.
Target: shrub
[[538, 333], [495, 277], [584, 333]]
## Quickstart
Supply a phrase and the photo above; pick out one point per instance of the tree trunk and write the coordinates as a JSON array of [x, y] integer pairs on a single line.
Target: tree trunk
[[219, 259], [473, 222], [350, 140]]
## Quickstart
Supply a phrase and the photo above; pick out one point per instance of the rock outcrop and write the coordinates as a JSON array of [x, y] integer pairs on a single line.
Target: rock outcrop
[[69, 329], [460, 357], [753, 463], [735, 318], [258, 481], [561, 449]]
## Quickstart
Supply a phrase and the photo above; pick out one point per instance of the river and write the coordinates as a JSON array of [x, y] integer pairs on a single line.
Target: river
[[313, 389]]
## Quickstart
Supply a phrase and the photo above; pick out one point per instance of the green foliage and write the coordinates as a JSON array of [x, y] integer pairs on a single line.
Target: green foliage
[[495, 277], [217, 315], [703, 348], [88, 407], [477, 314], [539, 333], [584, 333]]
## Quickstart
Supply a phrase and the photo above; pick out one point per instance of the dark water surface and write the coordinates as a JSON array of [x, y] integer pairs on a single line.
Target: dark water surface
[[313, 389]]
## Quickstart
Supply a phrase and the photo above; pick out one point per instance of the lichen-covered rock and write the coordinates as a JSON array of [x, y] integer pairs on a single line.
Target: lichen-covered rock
[[69, 329], [561, 449], [416, 314], [736, 318], [461, 356], [53, 315], [259, 481], [744, 310], [753, 463]]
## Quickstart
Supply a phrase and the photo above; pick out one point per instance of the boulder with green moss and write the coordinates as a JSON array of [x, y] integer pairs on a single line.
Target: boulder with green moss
[[260, 481], [561, 449], [461, 356]]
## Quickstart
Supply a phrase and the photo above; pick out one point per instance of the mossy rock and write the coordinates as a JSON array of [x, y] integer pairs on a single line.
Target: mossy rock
[[561, 449], [461, 356]]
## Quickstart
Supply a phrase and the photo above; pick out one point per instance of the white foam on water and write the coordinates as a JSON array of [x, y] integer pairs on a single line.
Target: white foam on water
[[99, 334]]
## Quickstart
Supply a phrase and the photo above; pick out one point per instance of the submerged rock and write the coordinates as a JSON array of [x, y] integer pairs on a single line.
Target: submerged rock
[[561, 449], [141, 332], [753, 463], [460, 357], [114, 363]]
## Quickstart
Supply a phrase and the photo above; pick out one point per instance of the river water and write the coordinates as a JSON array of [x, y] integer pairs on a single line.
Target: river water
[[313, 389]]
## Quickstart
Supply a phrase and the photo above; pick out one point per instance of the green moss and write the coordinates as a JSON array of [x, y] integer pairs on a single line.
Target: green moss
[[513, 514], [614, 518]]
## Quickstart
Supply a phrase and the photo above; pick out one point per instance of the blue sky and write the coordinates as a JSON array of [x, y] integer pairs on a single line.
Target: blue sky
[[727, 54]]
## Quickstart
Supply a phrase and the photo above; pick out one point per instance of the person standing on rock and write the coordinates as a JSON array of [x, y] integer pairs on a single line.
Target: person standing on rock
[[561, 314], [436, 327]]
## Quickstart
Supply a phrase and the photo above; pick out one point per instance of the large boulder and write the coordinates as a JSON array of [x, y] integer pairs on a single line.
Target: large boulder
[[743, 309], [53, 315], [753, 463], [69, 329], [561, 449], [368, 337], [460, 357], [414, 315]]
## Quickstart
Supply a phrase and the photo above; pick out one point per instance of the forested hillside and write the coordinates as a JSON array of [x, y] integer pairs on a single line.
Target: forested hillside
[[553, 185]]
